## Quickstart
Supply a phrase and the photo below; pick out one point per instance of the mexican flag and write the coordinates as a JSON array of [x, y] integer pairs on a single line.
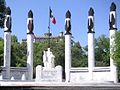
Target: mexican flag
[[52, 17]]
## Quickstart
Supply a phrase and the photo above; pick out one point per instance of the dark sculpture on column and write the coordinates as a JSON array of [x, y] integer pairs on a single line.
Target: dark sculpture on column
[[68, 23], [112, 18], [30, 22], [8, 20], [90, 20]]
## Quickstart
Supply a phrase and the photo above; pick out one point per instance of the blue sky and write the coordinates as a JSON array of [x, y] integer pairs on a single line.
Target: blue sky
[[79, 11]]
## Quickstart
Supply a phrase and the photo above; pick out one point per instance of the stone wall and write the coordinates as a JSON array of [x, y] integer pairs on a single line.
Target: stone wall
[[102, 74], [16, 73]]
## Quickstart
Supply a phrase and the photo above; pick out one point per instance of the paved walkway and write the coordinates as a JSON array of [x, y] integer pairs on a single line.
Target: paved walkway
[[57, 86]]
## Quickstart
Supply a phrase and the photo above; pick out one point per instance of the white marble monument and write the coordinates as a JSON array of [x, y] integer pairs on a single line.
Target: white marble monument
[[48, 59], [48, 73]]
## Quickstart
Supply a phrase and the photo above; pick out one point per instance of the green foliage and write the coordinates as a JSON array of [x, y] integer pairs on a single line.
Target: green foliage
[[38, 52], [2, 6], [102, 51], [1, 51], [18, 53], [58, 49], [79, 58]]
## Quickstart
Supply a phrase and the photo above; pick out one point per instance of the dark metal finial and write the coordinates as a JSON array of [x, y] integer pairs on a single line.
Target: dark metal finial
[[113, 7], [30, 14], [8, 11], [91, 12], [68, 14]]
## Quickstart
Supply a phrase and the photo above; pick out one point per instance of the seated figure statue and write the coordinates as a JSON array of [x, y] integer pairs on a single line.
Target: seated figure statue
[[48, 59]]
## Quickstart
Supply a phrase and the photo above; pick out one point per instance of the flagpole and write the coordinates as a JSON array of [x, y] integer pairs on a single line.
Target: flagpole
[[49, 30]]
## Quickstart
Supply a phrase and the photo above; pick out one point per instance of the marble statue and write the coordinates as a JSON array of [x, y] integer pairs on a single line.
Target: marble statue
[[48, 59]]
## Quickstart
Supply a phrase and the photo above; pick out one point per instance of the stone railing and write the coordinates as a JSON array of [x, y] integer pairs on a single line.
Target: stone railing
[[82, 74], [16, 73]]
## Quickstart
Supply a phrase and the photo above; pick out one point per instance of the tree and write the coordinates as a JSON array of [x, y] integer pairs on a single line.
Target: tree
[[2, 12], [38, 53], [18, 52], [79, 58], [116, 52], [2, 6], [102, 57], [1, 51]]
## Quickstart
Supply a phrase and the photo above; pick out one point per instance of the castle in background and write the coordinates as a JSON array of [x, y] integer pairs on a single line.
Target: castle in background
[[47, 36]]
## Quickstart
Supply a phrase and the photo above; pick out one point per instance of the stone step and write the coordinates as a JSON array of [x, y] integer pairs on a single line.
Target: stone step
[[117, 87]]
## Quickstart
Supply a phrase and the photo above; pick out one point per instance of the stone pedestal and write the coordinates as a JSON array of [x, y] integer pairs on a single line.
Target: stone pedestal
[[7, 53], [30, 56], [67, 56], [48, 74]]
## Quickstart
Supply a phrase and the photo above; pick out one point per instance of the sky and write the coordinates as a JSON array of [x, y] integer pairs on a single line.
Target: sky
[[79, 17]]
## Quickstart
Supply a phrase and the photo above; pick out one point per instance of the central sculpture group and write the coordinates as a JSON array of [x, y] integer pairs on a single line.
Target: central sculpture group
[[48, 59]]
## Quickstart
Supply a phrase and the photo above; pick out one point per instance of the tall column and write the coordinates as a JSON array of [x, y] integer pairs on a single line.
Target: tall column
[[113, 28], [30, 45], [68, 46], [7, 42], [91, 52]]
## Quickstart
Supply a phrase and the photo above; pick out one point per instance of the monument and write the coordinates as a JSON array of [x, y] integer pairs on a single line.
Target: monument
[[51, 73], [48, 73]]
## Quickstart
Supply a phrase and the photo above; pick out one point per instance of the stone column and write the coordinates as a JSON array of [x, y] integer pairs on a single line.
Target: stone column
[[30, 45], [113, 28], [68, 46], [7, 42], [91, 52]]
